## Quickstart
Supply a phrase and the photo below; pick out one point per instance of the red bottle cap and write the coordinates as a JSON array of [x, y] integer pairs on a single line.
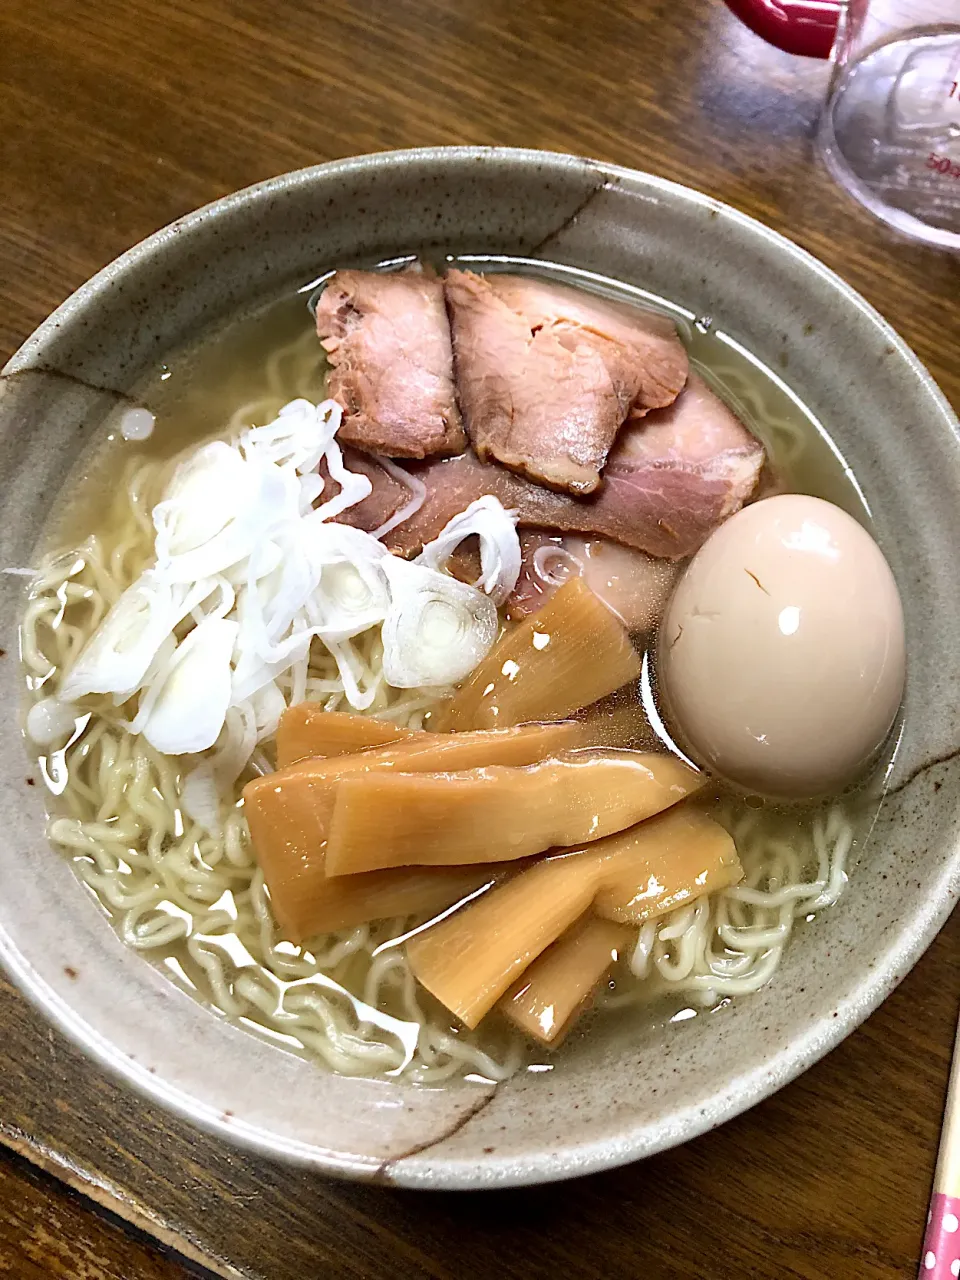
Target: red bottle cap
[[805, 27]]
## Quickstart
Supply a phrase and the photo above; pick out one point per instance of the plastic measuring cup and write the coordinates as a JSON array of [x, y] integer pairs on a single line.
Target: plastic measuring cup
[[890, 128]]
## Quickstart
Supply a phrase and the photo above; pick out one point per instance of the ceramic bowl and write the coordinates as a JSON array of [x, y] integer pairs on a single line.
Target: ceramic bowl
[[609, 1101]]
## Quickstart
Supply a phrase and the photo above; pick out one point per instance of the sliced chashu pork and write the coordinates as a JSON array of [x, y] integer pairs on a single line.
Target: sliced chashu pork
[[671, 479], [546, 375], [391, 365], [634, 585]]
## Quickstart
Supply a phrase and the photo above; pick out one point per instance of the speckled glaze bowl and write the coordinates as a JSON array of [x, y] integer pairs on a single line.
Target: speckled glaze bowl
[[610, 1101]]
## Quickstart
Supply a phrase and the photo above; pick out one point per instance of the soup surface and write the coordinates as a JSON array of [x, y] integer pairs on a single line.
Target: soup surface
[[191, 897]]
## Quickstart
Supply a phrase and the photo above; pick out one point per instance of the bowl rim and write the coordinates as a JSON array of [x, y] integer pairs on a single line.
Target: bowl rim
[[449, 1172]]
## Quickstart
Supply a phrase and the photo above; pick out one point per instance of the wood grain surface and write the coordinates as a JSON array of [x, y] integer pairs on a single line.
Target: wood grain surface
[[117, 116], [50, 1232]]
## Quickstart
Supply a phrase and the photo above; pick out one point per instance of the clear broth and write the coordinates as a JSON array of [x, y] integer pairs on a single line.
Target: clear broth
[[244, 371]]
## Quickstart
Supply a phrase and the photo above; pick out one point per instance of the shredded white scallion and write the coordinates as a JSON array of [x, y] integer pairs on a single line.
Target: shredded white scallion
[[496, 531], [242, 553]]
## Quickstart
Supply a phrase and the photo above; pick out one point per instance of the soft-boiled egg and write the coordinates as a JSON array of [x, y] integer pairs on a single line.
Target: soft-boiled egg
[[781, 652]]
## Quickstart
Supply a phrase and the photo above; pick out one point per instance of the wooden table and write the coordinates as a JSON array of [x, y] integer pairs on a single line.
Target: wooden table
[[117, 116]]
